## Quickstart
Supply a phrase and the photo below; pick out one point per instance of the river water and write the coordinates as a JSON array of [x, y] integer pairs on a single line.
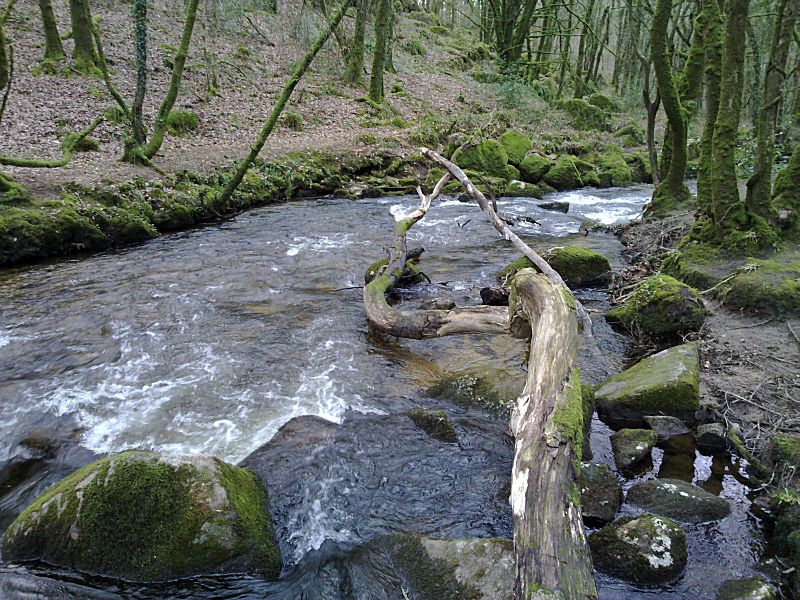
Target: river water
[[211, 340]]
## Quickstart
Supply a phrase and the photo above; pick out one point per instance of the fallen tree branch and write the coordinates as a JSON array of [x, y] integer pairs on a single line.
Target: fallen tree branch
[[68, 145], [509, 235]]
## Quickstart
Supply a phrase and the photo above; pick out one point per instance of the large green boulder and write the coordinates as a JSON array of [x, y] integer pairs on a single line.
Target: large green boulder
[[521, 189], [631, 134], [613, 170], [678, 500], [516, 146], [578, 266], [604, 102], [661, 307], [488, 157], [148, 517], [585, 116], [564, 174], [645, 549], [667, 383], [534, 166], [785, 450]]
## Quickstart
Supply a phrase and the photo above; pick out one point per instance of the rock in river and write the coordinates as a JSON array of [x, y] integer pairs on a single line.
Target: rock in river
[[750, 588], [149, 517], [645, 549], [632, 446], [666, 427], [679, 500], [667, 383], [601, 494]]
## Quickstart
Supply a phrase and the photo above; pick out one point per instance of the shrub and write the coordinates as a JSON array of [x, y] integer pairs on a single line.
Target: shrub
[[182, 121]]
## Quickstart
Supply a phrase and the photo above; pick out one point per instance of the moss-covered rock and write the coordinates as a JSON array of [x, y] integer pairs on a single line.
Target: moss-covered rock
[[645, 549], [534, 166], [661, 307], [785, 450], [613, 170], [631, 134], [667, 383], [578, 266], [666, 427], [749, 588], [766, 285], [785, 506], [678, 500], [564, 174], [486, 387], [604, 102], [639, 164], [148, 517], [512, 173], [592, 179], [520, 189], [181, 121], [585, 116], [516, 145], [601, 494], [632, 446], [435, 423], [487, 157]]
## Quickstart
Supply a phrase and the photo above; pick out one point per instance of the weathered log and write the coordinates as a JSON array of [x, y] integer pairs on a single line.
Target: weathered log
[[547, 423]]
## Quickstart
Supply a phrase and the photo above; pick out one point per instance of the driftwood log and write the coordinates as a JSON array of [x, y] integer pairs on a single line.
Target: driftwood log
[[547, 422]]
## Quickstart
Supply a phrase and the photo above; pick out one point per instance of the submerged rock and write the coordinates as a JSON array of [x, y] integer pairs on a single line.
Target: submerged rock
[[632, 446], [667, 383], [562, 207], [601, 494], [435, 423], [578, 266], [749, 588], [666, 427], [481, 386], [679, 500], [149, 517], [711, 438], [661, 307], [644, 549]]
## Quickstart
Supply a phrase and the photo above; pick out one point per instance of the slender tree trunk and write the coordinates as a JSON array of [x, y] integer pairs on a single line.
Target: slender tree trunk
[[389, 66], [759, 186], [379, 55], [53, 49], [354, 68], [5, 66], [728, 208], [713, 43], [754, 85], [580, 88], [84, 52], [672, 188], [138, 132]]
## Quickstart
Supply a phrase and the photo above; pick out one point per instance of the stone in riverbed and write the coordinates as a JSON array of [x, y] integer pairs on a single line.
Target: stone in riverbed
[[645, 549], [667, 383], [601, 494], [516, 145], [148, 517], [632, 446], [481, 386], [679, 500], [495, 296], [666, 427], [578, 266], [562, 207], [750, 588], [435, 423], [785, 450], [711, 438]]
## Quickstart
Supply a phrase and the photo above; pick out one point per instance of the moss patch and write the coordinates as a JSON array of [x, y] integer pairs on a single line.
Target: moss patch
[[533, 167], [516, 145], [613, 170], [564, 174], [585, 116], [578, 266], [492, 388], [182, 122], [487, 156]]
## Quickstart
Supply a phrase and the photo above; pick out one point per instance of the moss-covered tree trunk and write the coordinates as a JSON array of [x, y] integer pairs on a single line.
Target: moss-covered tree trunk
[[138, 132], [583, 43], [759, 186], [712, 42], [376, 93], [53, 49], [5, 66], [671, 189], [354, 66], [389, 65], [727, 207], [84, 51]]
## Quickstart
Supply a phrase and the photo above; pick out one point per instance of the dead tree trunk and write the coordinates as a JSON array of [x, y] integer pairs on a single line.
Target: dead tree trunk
[[547, 422]]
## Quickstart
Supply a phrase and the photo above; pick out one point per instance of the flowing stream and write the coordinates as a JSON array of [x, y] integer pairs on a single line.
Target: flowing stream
[[211, 340]]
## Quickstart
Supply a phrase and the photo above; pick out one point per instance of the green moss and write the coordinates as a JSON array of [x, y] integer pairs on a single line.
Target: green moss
[[564, 174], [415, 47], [785, 449], [87, 144], [293, 120], [485, 387], [766, 285], [613, 168], [516, 145], [568, 418], [533, 167], [181, 122], [592, 179], [578, 266], [488, 157], [435, 423], [585, 116], [568, 298], [512, 173], [631, 134], [429, 577], [639, 164], [604, 102]]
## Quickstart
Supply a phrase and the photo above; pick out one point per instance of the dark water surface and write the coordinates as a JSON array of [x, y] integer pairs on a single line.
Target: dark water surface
[[211, 340]]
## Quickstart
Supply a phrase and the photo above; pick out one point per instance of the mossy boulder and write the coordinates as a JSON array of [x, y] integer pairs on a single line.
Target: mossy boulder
[[786, 534], [667, 383], [592, 179], [641, 170], [148, 517], [613, 170], [632, 446], [484, 387], [601, 494], [749, 588], [182, 122], [435, 423], [662, 308], [631, 134], [666, 427], [564, 174], [785, 450], [578, 266], [534, 166], [521, 189], [766, 285], [645, 549], [711, 438], [604, 102], [585, 116], [516, 145], [512, 173], [488, 157], [678, 500]]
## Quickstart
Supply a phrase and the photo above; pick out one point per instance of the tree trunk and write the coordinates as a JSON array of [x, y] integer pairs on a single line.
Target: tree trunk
[[729, 210], [53, 49], [671, 189], [759, 186], [389, 66], [5, 65], [138, 131], [354, 68], [379, 55], [84, 52]]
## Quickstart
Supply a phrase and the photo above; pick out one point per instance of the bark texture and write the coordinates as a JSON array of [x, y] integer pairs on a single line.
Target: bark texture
[[53, 48]]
